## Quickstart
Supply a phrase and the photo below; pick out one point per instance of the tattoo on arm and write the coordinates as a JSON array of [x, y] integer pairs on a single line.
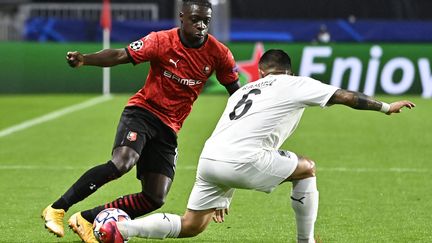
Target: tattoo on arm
[[355, 100]]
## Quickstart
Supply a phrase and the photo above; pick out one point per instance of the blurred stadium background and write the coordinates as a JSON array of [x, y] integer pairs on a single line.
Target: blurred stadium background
[[374, 171], [371, 46]]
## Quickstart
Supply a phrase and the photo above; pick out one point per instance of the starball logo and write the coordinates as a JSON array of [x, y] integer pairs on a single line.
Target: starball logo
[[184, 81]]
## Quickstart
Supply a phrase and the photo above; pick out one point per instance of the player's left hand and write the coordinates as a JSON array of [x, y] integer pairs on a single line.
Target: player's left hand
[[219, 215], [396, 107]]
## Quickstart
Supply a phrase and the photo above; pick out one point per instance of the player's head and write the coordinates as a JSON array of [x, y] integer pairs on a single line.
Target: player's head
[[195, 18], [274, 61]]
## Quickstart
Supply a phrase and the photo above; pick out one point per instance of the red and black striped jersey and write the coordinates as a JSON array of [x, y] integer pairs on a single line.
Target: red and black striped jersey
[[177, 73]]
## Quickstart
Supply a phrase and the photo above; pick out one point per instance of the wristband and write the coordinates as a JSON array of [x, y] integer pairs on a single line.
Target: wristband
[[385, 107]]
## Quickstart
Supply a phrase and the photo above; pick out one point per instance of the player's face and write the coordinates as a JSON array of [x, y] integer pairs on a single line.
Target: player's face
[[195, 21]]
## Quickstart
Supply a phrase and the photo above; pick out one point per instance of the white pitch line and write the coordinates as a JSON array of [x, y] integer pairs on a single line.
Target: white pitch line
[[367, 170], [325, 169], [53, 115]]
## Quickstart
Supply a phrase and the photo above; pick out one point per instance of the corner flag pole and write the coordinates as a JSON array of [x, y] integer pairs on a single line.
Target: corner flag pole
[[105, 22]]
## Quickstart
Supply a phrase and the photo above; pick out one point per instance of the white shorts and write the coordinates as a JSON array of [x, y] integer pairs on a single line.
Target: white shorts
[[216, 180]]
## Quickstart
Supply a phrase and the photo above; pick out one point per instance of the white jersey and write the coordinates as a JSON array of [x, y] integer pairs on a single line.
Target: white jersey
[[262, 115]]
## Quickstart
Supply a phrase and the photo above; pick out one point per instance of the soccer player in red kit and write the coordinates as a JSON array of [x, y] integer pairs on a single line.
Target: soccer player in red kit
[[181, 60]]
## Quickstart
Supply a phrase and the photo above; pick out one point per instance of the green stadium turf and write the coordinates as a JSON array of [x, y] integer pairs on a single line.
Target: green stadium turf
[[374, 171]]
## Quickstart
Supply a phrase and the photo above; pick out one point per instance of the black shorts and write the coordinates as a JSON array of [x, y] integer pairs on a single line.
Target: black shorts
[[155, 142]]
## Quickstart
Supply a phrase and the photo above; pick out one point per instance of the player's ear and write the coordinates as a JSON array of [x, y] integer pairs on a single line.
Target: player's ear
[[261, 73], [181, 14]]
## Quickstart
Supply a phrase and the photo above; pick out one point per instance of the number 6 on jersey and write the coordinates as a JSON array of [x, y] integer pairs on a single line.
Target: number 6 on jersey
[[244, 101]]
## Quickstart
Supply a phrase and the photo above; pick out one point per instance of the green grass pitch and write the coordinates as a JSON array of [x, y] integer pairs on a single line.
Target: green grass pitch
[[374, 171]]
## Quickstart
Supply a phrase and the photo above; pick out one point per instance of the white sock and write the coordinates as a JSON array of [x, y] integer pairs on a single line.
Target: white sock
[[155, 226], [304, 201]]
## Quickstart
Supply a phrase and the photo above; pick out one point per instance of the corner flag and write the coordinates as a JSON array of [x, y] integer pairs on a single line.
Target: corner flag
[[105, 22]]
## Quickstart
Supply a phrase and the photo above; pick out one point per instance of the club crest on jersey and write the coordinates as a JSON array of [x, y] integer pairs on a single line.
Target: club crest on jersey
[[136, 45], [132, 136], [206, 70]]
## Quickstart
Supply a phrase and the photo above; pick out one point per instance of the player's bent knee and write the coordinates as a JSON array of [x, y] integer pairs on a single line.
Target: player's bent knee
[[312, 168], [123, 167], [124, 158], [305, 168]]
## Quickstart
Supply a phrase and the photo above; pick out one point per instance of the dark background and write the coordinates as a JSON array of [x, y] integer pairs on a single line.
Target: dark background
[[299, 9]]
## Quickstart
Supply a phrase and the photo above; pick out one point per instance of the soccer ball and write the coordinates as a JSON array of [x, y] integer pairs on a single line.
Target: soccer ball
[[108, 215]]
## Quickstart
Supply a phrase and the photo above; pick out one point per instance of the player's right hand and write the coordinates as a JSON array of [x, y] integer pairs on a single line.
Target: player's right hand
[[74, 59], [218, 215], [396, 107]]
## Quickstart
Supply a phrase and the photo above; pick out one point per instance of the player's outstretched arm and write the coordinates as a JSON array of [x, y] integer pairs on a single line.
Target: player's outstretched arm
[[361, 101], [103, 58]]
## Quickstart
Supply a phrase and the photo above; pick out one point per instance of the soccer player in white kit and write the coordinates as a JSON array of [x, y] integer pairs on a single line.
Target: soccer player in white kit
[[243, 152]]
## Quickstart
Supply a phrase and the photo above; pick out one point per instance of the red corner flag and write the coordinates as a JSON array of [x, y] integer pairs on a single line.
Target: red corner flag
[[105, 20]]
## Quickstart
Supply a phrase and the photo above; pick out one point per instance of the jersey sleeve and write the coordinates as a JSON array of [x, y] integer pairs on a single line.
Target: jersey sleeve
[[314, 92], [227, 71], [143, 49]]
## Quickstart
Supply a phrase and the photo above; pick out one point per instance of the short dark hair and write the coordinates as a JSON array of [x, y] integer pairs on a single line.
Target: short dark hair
[[275, 59], [204, 3]]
